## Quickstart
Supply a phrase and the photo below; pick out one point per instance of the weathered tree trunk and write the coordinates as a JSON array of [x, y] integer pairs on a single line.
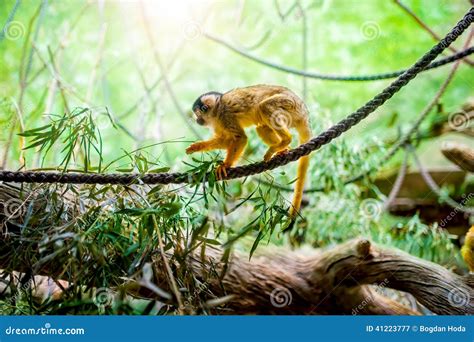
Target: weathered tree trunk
[[334, 281]]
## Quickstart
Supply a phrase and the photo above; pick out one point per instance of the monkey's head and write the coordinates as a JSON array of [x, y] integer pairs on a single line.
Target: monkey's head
[[205, 107]]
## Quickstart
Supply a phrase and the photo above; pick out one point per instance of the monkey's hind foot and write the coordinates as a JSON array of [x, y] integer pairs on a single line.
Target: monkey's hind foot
[[221, 171], [270, 154], [284, 151]]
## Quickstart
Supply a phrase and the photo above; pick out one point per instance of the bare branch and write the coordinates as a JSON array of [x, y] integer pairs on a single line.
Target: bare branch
[[433, 34]]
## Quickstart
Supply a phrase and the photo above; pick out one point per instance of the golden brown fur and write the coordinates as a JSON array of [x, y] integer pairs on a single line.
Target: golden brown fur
[[272, 109], [467, 250]]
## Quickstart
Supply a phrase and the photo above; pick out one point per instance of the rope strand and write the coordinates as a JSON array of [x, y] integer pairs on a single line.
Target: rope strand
[[328, 77]]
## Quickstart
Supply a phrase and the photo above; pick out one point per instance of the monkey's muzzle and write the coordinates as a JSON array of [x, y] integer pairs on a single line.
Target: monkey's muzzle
[[200, 121]]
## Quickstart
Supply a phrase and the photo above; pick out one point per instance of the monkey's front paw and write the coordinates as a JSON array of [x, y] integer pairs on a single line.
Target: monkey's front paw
[[221, 171], [196, 147]]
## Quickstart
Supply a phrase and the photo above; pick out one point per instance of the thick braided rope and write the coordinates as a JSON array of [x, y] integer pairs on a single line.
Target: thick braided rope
[[328, 77], [251, 169]]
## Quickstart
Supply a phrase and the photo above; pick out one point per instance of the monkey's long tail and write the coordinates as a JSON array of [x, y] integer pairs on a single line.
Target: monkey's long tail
[[304, 133], [467, 251]]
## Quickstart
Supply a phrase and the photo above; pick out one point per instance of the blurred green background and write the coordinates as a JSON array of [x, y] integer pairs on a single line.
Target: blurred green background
[[144, 63]]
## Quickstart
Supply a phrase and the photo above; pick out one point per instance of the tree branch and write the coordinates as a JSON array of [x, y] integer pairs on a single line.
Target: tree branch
[[460, 154]]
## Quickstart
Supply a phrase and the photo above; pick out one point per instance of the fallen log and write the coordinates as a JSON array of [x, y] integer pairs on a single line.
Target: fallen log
[[334, 281]]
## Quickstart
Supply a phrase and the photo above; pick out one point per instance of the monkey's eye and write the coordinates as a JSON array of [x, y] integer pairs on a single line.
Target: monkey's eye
[[204, 108]]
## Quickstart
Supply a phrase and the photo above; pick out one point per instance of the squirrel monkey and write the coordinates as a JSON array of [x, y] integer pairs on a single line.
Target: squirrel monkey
[[467, 251], [272, 109]]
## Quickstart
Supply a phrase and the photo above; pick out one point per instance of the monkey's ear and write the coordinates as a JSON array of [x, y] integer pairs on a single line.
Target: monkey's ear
[[210, 100]]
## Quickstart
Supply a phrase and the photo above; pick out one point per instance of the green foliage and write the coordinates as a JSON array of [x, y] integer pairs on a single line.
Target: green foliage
[[77, 130]]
